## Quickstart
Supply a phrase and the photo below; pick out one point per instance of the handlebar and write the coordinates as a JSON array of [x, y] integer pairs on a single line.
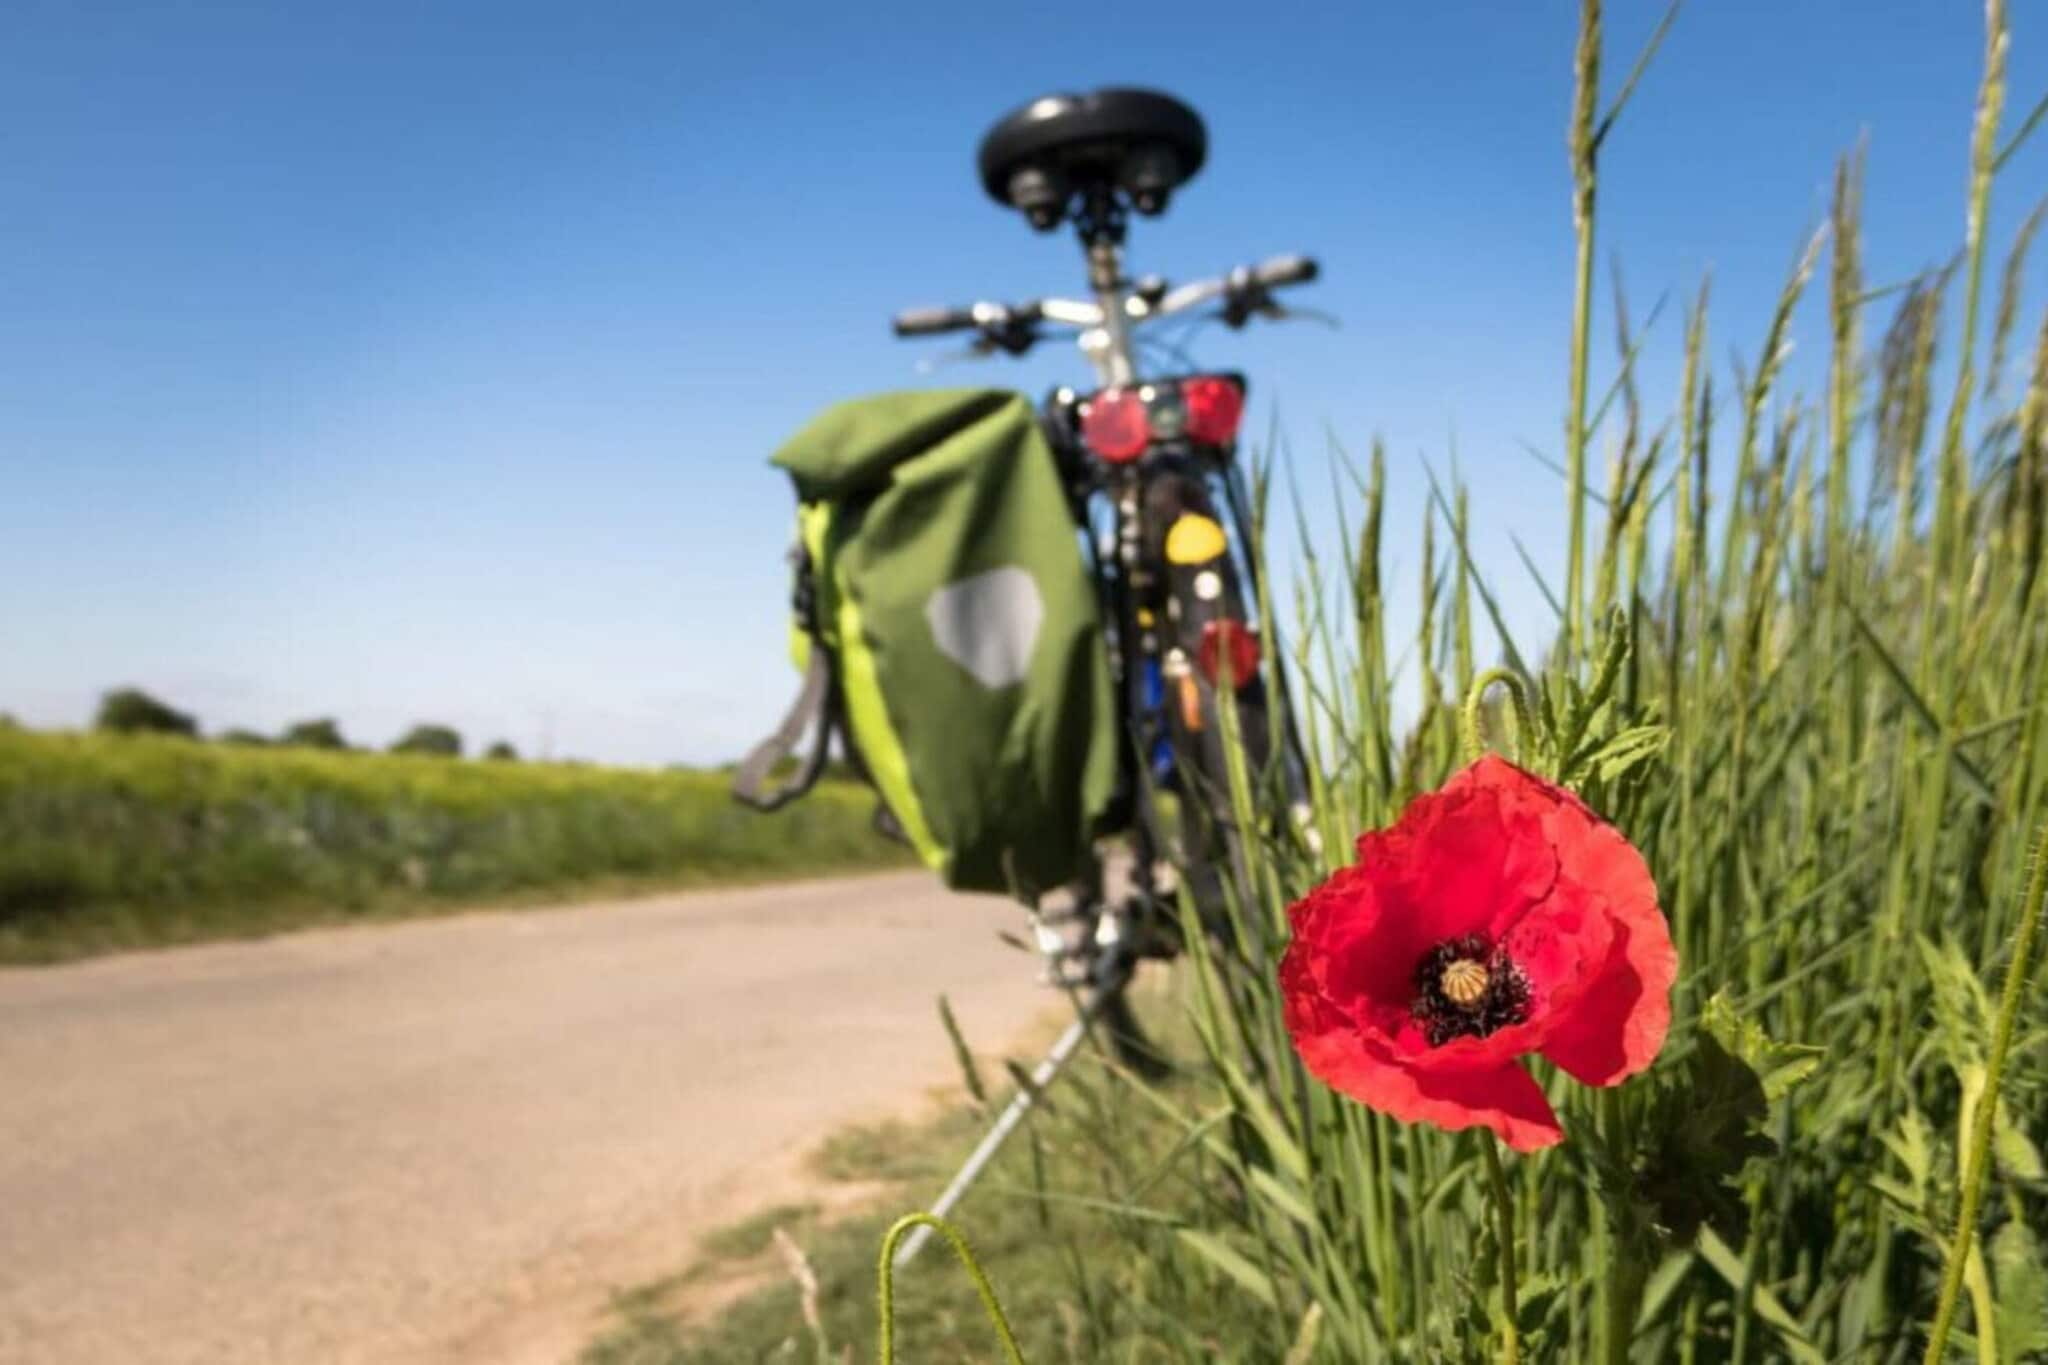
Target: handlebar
[[1244, 292], [918, 322], [1281, 270], [997, 321]]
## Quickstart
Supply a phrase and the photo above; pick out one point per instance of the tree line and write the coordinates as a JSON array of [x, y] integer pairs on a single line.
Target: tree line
[[130, 710]]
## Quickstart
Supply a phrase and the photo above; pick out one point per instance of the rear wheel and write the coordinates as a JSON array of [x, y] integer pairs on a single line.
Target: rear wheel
[[1192, 594]]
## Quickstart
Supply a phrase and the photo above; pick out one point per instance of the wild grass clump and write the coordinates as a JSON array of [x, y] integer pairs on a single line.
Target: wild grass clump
[[1807, 676], [1800, 658], [111, 841]]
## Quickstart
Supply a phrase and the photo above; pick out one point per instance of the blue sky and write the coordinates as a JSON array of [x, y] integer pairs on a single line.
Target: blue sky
[[421, 361]]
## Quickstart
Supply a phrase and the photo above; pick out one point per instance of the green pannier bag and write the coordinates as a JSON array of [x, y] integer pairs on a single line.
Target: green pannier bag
[[948, 630]]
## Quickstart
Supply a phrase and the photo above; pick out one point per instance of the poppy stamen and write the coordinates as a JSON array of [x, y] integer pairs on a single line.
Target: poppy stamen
[[1468, 988]]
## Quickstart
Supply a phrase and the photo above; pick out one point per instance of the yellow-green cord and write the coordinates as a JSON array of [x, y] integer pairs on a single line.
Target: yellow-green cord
[[887, 1351], [2016, 980]]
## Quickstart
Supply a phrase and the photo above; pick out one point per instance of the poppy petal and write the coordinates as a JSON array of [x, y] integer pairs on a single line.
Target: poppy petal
[[1508, 1101], [1561, 947], [1618, 1023], [1468, 856], [1505, 1100], [1358, 944]]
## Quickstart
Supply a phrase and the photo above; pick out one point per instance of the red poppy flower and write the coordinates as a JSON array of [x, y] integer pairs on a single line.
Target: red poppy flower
[[1499, 916]]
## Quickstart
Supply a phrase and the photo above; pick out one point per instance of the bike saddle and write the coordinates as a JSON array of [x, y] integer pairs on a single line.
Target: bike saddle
[[1138, 141]]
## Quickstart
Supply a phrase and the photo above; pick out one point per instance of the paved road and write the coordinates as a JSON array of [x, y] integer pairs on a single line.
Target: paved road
[[446, 1140]]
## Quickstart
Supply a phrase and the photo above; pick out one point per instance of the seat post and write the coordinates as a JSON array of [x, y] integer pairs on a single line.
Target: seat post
[[1101, 226]]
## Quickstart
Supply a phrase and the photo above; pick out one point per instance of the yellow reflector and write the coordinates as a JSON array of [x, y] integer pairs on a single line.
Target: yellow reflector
[[1195, 540]]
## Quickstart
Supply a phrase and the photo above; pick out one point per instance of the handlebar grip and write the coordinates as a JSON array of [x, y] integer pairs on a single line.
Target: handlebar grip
[[1285, 270], [917, 322]]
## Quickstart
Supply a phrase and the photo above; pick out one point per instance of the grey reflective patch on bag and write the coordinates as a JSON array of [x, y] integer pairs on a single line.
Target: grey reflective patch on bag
[[988, 624]]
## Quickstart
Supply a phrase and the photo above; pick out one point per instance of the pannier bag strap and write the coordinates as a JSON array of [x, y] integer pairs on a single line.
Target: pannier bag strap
[[813, 710]]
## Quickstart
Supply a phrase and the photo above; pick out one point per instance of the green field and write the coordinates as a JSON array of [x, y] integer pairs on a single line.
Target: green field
[[110, 841]]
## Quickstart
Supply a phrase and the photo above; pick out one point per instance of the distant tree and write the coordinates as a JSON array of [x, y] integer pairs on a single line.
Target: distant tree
[[323, 733], [439, 740], [246, 738], [130, 710], [502, 751]]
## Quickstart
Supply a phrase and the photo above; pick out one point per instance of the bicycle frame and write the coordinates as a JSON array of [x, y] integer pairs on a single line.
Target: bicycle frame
[[1111, 338]]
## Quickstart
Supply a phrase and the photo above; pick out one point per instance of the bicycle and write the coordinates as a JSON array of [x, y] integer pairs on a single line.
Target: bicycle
[[1151, 471], [1153, 481]]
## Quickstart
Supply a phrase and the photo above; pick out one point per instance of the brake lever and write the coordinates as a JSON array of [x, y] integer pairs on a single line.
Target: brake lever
[[1280, 312], [981, 348], [1010, 333]]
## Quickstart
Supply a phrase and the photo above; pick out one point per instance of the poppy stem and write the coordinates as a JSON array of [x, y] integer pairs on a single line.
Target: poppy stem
[[1621, 1291], [1504, 1208], [1518, 692]]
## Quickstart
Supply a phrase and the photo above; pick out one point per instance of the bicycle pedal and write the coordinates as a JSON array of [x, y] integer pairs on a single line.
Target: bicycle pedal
[[1054, 944]]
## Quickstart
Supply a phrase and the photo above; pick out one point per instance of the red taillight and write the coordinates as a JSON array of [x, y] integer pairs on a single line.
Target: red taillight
[[1228, 641], [1114, 425], [1215, 406]]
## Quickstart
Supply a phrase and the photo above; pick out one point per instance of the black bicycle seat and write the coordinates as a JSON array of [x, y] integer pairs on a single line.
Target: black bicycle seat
[[1138, 141]]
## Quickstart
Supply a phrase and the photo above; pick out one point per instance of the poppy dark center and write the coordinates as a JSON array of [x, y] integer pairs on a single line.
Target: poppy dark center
[[1467, 988]]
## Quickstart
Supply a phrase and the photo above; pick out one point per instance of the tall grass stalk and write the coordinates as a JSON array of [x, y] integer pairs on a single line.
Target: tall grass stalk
[[1584, 146], [1984, 1124]]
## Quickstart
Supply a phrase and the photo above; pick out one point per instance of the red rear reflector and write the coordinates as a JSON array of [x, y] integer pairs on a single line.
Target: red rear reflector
[[1231, 642], [1114, 425], [1215, 406]]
